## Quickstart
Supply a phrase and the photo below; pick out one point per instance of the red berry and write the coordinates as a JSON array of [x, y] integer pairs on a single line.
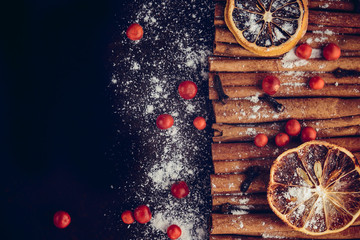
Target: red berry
[[127, 217], [180, 189], [293, 127], [174, 232], [316, 83], [199, 123], [308, 134], [282, 139], [261, 140], [270, 85], [331, 52], [134, 32], [187, 89], [61, 219], [164, 121], [303, 51], [142, 214]]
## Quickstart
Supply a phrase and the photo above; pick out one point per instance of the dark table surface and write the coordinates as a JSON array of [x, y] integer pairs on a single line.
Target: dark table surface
[[73, 138]]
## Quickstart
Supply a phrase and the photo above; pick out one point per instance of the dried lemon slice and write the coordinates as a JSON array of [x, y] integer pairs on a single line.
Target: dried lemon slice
[[267, 27], [315, 188]]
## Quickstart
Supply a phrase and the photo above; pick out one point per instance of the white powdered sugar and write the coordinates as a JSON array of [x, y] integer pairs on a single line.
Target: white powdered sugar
[[146, 75], [239, 212], [301, 194], [290, 60]]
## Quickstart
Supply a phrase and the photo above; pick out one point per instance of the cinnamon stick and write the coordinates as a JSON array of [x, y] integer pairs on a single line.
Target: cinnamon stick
[[251, 200], [315, 39], [236, 151], [286, 78], [269, 225], [222, 64], [334, 29], [249, 111], [235, 50], [231, 183], [240, 166], [347, 126], [290, 91], [232, 237]]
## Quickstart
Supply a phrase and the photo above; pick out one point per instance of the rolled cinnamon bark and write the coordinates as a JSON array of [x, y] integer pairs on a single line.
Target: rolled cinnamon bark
[[232, 237], [348, 126], [249, 111], [240, 166], [334, 19], [235, 50], [230, 183], [316, 39], [269, 225], [334, 29], [223, 64], [237, 200], [286, 78], [236, 151], [291, 90]]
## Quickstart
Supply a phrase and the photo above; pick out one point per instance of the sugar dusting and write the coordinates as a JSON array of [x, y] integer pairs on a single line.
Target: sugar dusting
[[144, 84]]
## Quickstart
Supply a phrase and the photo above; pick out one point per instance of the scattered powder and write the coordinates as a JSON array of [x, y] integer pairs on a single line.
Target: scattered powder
[[325, 5], [253, 99], [290, 60], [316, 219], [144, 83], [239, 212], [316, 53], [135, 66], [250, 132], [267, 235], [301, 194], [149, 109], [162, 175], [255, 108]]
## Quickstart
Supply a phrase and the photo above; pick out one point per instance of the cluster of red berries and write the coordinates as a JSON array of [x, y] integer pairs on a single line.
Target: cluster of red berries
[[271, 84], [292, 128], [142, 214], [330, 52], [187, 89]]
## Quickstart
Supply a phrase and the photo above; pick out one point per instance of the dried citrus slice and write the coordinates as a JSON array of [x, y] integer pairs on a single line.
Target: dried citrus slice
[[315, 188], [267, 27]]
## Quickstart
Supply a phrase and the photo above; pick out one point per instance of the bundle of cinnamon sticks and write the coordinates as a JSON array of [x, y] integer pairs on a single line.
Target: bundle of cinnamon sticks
[[333, 111]]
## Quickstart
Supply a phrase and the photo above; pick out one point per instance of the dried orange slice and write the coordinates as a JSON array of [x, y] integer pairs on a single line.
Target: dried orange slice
[[315, 188], [267, 27]]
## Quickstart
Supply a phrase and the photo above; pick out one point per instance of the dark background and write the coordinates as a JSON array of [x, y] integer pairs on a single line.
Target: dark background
[[60, 142], [56, 117]]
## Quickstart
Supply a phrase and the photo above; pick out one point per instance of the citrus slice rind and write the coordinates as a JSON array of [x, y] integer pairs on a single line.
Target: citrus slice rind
[[267, 27], [315, 188]]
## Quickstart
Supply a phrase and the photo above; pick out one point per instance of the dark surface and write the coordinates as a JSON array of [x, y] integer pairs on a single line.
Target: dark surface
[[56, 117], [57, 125]]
